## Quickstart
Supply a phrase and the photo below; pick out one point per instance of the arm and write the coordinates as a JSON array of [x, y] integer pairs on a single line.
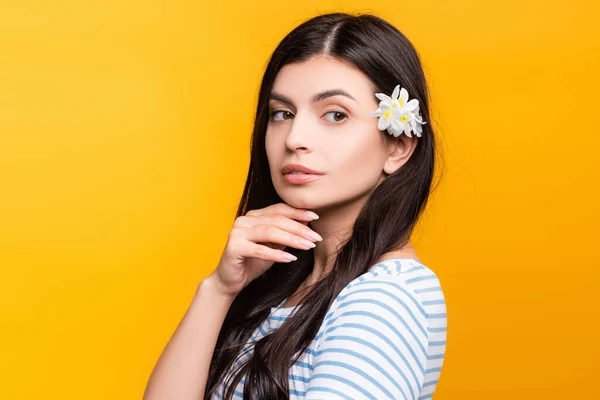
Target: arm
[[373, 346], [182, 369]]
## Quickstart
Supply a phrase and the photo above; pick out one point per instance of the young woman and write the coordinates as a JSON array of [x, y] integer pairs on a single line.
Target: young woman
[[339, 306]]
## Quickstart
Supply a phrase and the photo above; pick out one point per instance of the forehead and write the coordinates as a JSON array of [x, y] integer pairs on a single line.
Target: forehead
[[301, 80]]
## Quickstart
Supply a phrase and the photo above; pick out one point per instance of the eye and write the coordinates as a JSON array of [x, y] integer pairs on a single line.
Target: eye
[[285, 115], [338, 116]]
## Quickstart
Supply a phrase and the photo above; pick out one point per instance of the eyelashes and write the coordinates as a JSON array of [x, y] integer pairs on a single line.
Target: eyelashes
[[289, 115], [275, 112]]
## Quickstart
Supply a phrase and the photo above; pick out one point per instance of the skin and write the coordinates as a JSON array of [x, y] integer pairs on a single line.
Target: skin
[[336, 136]]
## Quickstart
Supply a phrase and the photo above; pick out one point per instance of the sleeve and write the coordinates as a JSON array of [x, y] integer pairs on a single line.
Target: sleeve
[[373, 345]]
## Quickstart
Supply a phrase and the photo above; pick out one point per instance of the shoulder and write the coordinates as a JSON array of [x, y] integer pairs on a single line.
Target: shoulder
[[376, 338], [406, 271], [391, 286], [398, 296]]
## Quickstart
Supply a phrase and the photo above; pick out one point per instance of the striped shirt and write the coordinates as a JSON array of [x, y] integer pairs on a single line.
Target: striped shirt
[[384, 337]]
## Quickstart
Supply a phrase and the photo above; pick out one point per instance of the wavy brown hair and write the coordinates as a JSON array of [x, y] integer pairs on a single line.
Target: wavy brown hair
[[384, 224]]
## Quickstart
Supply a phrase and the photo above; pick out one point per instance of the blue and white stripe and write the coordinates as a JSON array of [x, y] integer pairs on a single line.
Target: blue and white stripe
[[384, 337]]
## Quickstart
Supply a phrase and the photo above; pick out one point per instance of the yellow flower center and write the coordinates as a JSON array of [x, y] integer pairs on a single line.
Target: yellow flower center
[[387, 114], [401, 101], [404, 119]]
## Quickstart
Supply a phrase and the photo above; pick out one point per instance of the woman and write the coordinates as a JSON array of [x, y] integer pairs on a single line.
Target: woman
[[335, 307]]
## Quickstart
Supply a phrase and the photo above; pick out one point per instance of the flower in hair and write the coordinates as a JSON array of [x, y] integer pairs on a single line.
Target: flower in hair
[[397, 114]]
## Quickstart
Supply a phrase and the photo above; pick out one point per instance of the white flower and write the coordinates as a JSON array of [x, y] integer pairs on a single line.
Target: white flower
[[399, 99], [388, 119], [405, 119], [397, 114], [416, 121], [391, 101]]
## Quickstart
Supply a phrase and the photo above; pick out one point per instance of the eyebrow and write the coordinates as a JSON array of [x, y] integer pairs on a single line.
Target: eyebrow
[[316, 98]]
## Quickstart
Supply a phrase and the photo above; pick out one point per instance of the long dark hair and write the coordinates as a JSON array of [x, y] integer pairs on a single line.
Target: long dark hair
[[384, 224]]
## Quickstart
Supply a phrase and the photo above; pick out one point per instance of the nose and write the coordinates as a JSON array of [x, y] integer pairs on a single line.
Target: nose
[[302, 132]]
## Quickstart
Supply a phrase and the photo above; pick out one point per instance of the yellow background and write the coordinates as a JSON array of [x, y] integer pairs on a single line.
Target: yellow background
[[124, 130]]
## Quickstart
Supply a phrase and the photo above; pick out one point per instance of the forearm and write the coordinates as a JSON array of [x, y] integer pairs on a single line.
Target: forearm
[[181, 371]]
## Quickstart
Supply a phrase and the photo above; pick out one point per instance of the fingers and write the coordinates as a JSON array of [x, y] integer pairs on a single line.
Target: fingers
[[274, 234], [277, 226], [266, 253], [245, 247], [284, 209], [300, 229]]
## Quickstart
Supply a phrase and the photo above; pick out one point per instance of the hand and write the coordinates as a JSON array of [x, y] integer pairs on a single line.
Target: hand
[[256, 242]]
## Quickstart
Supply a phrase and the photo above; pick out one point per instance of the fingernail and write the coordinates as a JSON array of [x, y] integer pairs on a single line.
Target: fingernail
[[315, 236], [310, 214], [308, 243]]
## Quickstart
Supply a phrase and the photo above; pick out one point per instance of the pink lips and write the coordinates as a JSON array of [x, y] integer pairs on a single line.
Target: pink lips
[[301, 178], [307, 174], [287, 168]]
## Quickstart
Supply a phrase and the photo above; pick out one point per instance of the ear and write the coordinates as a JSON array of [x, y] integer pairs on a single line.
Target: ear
[[399, 151]]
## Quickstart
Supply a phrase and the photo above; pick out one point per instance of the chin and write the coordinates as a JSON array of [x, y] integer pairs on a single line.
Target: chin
[[304, 201]]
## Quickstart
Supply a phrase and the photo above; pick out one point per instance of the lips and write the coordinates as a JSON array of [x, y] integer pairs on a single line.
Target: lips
[[288, 168], [297, 179]]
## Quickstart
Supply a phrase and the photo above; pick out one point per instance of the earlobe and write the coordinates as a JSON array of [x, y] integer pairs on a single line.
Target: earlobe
[[389, 168]]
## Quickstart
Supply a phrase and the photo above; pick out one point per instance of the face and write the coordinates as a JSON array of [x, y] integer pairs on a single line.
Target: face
[[319, 117]]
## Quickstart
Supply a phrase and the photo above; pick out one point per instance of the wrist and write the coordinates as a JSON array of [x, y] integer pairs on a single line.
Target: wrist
[[212, 285]]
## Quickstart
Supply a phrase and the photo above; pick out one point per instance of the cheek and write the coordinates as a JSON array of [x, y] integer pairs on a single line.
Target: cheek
[[271, 145], [271, 154], [358, 160], [356, 148], [275, 150]]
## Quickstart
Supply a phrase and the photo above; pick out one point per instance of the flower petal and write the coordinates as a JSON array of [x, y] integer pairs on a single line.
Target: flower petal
[[419, 130], [393, 129], [407, 129], [402, 127], [398, 112], [404, 95], [383, 123], [383, 97], [395, 92], [412, 105], [418, 118]]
